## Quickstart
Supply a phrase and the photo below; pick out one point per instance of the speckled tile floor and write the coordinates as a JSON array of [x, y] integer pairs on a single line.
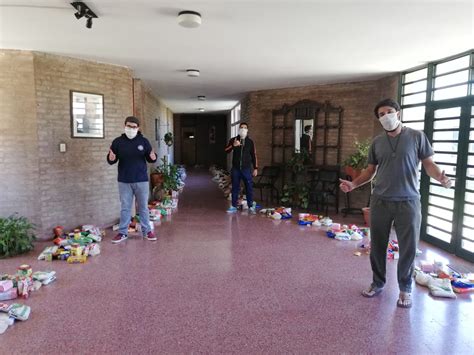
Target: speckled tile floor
[[218, 283]]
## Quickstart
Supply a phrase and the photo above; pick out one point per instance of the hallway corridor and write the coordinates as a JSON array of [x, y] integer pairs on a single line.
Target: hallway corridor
[[219, 283]]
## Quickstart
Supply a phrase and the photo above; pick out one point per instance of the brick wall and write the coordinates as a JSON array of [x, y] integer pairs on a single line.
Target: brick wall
[[36, 180], [19, 168], [357, 99], [78, 187], [148, 108]]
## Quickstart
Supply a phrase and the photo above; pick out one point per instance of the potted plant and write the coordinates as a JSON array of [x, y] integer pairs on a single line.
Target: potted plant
[[168, 138], [16, 236], [357, 161], [295, 195], [170, 179], [156, 177], [296, 191], [167, 181]]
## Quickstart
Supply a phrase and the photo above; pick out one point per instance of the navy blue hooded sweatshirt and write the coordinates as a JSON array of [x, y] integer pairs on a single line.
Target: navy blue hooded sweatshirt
[[132, 155]]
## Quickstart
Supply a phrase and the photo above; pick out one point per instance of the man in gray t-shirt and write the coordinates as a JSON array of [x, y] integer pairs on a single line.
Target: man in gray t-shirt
[[394, 157]]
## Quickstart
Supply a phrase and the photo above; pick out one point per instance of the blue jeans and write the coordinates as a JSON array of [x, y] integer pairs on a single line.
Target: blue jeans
[[126, 192], [246, 176]]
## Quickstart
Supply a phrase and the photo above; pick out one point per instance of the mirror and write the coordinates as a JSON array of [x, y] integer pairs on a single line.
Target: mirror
[[304, 135]]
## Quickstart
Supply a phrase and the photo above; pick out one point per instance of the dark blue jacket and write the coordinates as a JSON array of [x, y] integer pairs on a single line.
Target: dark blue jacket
[[132, 155], [245, 155]]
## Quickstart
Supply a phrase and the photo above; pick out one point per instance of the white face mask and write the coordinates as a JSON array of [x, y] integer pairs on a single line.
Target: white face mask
[[243, 132], [131, 132], [389, 121]]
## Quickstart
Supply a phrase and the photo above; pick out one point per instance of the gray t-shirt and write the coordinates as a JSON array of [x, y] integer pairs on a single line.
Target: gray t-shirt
[[397, 164]]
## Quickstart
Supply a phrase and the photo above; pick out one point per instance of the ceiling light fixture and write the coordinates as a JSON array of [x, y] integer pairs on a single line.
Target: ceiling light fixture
[[84, 11], [200, 109], [193, 72], [202, 98], [189, 19]]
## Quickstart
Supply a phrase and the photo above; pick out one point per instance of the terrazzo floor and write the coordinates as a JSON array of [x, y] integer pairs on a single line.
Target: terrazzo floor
[[219, 283]]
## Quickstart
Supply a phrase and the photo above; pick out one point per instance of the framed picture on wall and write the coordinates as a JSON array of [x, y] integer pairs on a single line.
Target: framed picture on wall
[[87, 115], [157, 130], [212, 135]]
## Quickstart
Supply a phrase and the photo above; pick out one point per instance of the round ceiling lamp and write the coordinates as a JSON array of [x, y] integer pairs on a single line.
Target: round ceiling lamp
[[189, 19], [193, 72], [202, 98], [201, 109]]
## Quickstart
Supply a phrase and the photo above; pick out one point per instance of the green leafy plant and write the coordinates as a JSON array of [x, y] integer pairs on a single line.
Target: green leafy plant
[[170, 179], [295, 195], [16, 236], [358, 159], [168, 138], [297, 162], [296, 192]]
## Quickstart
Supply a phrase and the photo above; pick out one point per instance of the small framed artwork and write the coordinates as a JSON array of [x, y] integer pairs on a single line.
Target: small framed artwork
[[87, 115], [157, 130], [212, 135]]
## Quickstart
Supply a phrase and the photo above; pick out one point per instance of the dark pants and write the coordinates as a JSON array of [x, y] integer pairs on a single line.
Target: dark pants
[[246, 176], [406, 217]]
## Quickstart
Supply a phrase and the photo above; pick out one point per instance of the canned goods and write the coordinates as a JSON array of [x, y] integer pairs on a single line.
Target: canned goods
[[77, 234], [24, 270], [76, 249]]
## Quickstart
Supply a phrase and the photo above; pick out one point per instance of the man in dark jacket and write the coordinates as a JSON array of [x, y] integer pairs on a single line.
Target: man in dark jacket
[[132, 151], [244, 166], [305, 140]]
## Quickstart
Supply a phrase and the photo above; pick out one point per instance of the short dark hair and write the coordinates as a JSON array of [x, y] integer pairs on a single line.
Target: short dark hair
[[307, 128], [386, 102], [132, 119], [243, 123]]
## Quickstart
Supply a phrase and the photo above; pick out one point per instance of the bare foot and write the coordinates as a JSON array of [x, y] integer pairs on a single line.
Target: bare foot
[[404, 300], [372, 291]]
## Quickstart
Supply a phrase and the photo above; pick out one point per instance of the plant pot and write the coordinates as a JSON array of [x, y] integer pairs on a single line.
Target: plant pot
[[156, 179], [366, 212], [58, 231], [353, 173]]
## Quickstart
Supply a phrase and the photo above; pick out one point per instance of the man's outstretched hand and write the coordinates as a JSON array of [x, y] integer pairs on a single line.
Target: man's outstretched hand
[[346, 185], [444, 180]]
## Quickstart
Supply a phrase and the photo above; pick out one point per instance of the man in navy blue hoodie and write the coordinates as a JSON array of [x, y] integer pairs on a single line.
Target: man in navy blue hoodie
[[132, 151]]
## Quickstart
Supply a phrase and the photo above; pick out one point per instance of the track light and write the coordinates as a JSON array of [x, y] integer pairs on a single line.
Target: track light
[[84, 11], [80, 12]]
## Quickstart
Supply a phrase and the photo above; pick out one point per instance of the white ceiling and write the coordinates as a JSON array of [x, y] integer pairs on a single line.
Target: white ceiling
[[244, 45]]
